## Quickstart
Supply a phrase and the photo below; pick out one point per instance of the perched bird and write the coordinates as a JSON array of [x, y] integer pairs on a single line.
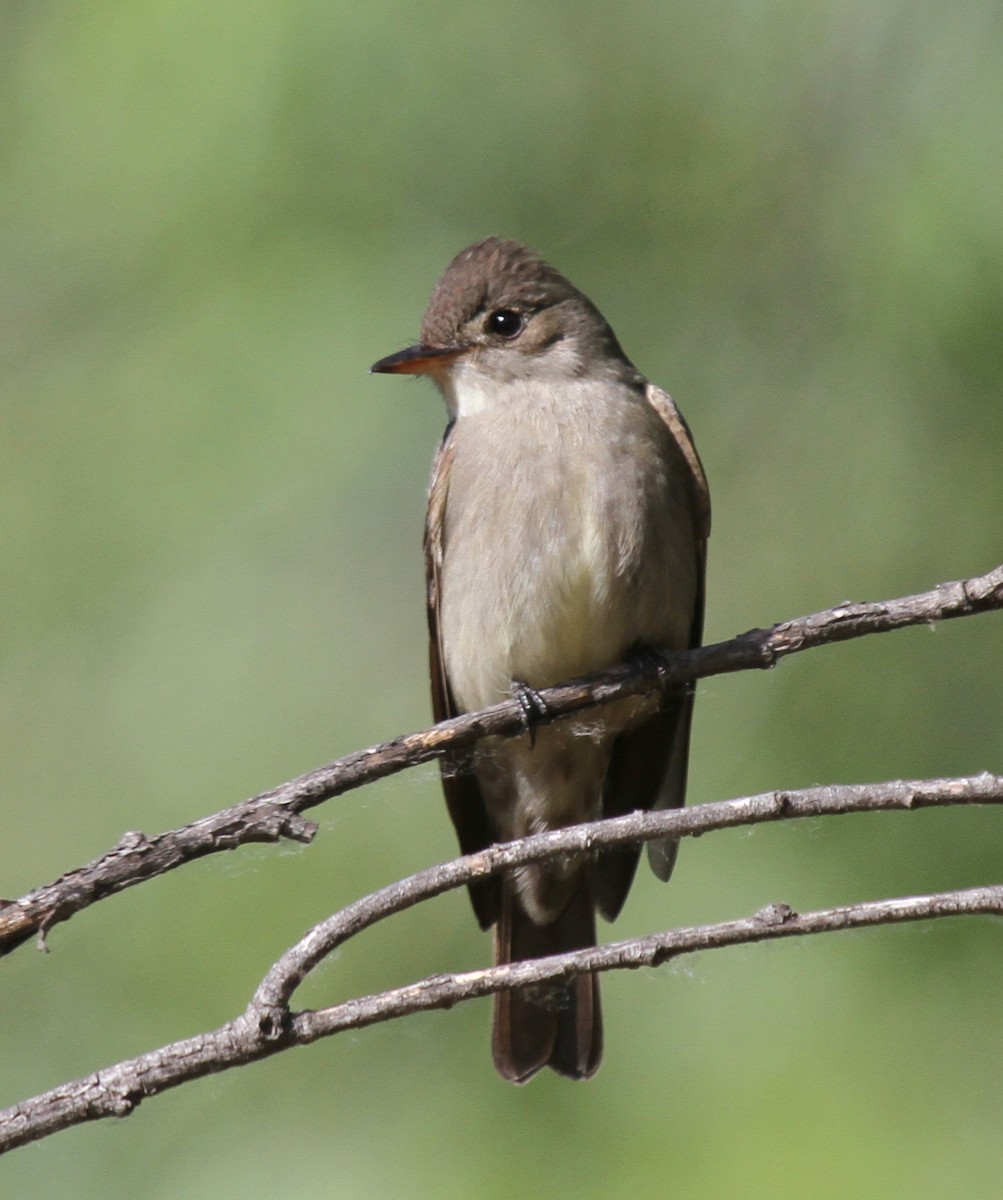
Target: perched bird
[[567, 526]]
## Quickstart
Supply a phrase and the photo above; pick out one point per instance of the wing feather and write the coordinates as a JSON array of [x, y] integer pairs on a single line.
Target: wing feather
[[649, 762], [463, 794]]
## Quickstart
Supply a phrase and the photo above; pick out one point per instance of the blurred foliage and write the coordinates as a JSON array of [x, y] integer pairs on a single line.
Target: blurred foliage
[[215, 217]]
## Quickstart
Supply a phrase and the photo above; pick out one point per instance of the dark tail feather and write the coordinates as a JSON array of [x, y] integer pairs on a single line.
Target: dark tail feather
[[557, 1025]]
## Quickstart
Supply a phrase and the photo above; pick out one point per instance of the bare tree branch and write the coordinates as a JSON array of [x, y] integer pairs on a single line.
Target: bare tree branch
[[292, 968], [275, 814], [268, 1026], [769, 923]]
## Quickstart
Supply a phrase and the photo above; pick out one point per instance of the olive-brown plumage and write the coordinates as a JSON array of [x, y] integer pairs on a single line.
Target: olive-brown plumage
[[567, 525]]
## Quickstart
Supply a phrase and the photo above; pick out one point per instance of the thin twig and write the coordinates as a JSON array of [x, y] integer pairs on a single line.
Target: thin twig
[[769, 923], [275, 814], [268, 1026], [291, 969]]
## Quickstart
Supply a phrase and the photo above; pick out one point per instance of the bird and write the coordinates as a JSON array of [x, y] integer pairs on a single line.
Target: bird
[[566, 531]]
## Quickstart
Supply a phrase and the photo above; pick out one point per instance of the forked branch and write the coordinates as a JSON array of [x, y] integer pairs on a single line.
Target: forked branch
[[268, 1025]]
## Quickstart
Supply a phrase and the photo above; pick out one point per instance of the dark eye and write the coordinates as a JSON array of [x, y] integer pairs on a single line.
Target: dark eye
[[506, 322]]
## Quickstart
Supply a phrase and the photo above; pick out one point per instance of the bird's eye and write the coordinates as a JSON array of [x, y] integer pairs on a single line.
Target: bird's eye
[[506, 322]]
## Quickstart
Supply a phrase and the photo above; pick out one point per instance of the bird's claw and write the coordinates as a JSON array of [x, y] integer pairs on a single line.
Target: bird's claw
[[532, 705]]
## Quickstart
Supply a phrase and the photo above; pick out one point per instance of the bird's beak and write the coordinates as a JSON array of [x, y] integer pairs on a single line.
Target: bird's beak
[[417, 360]]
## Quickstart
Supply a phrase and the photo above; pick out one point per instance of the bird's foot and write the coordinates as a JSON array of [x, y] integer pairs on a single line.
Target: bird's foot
[[532, 705]]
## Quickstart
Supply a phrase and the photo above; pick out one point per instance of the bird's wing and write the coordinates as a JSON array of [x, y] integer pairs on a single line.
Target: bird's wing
[[463, 795], [665, 406], [648, 764]]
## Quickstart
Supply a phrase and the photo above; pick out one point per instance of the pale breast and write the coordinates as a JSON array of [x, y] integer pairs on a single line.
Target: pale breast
[[568, 539]]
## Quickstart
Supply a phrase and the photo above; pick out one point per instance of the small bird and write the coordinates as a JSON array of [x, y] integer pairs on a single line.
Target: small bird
[[567, 526]]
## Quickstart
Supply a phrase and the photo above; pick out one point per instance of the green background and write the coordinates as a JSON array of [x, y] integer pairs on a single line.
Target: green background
[[214, 218]]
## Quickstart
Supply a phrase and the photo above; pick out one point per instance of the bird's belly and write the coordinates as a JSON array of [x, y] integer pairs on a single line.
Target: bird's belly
[[553, 597], [566, 615], [567, 541]]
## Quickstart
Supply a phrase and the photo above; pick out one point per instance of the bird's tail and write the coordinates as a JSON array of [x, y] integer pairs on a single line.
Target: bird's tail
[[557, 1025]]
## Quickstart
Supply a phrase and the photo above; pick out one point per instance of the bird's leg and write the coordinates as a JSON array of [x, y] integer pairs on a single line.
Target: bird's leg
[[533, 706]]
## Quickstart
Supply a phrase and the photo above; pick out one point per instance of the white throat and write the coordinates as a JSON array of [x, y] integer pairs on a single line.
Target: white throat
[[469, 391], [508, 379]]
